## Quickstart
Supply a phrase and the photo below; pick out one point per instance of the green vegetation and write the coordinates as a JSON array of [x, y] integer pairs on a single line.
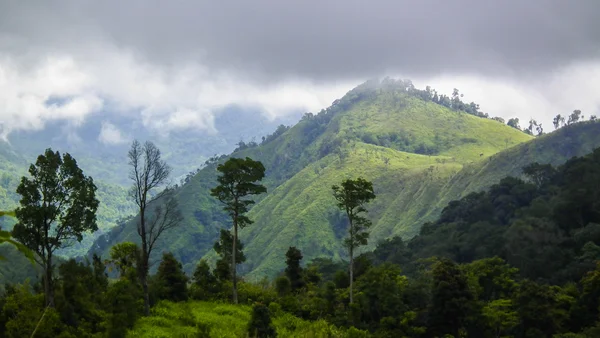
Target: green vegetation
[[58, 204], [238, 181], [517, 256], [351, 196], [390, 133]]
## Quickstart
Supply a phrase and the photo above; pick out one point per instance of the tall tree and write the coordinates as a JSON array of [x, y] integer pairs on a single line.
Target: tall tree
[[352, 195], [58, 205], [237, 181], [148, 173], [558, 121], [293, 270], [172, 281]]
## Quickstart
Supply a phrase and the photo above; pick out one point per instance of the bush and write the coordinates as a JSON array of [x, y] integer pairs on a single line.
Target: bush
[[260, 324]]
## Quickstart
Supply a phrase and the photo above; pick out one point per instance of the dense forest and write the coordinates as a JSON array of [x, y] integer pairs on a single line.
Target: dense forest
[[519, 259]]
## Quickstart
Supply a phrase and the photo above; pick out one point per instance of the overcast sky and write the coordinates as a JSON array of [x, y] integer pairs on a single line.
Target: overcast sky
[[172, 64]]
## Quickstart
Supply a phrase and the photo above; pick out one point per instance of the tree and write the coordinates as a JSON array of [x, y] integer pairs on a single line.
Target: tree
[[351, 196], [450, 299], [514, 122], [574, 117], [148, 173], [223, 248], [558, 121], [293, 270], [260, 324], [204, 284], [539, 174], [237, 181], [171, 279], [125, 257], [500, 315], [58, 205]]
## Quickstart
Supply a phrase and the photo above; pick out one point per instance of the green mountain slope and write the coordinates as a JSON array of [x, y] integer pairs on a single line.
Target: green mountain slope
[[409, 146]]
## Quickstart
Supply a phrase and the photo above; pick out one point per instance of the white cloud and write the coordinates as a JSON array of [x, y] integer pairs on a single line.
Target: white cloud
[[165, 98], [110, 134], [575, 86]]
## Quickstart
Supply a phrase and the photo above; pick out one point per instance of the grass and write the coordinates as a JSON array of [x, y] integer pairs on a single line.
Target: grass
[[419, 155], [190, 319]]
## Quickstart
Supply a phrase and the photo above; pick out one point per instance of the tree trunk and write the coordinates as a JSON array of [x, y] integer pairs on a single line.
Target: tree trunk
[[233, 265], [144, 264], [351, 272], [48, 285], [144, 281]]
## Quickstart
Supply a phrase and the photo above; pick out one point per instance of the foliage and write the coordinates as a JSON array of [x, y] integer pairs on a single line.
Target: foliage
[[57, 206], [171, 280], [294, 271], [351, 197], [238, 181], [260, 323]]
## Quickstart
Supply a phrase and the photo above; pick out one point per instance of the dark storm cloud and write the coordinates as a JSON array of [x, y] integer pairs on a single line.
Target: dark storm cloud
[[324, 40]]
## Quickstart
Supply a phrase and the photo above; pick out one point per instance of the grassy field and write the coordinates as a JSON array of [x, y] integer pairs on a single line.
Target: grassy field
[[209, 319]]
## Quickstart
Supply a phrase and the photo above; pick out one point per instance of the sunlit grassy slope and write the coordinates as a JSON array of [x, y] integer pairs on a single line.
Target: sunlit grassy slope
[[221, 320], [409, 147]]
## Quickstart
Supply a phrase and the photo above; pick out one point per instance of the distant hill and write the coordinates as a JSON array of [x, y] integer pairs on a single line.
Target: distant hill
[[421, 153]]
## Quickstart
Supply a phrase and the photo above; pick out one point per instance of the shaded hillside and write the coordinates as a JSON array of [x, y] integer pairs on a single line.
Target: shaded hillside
[[387, 132]]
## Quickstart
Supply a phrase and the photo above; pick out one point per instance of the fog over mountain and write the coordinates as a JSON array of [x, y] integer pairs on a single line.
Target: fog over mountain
[[176, 66]]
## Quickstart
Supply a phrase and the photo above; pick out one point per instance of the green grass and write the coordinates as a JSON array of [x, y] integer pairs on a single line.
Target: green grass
[[434, 155], [222, 320]]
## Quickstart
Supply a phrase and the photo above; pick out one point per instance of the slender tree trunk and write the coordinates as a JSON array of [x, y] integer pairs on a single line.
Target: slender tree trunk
[[233, 265], [351, 272], [144, 281], [144, 263], [48, 285]]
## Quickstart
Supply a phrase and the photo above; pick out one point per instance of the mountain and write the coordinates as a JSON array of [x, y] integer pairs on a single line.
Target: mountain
[[107, 163], [420, 151]]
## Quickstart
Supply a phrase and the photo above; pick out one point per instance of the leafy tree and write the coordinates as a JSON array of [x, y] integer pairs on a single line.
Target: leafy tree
[[260, 323], [574, 117], [500, 315], [171, 279], [539, 174], [148, 173], [514, 122], [125, 257], [351, 196], [293, 270], [237, 181], [204, 283], [558, 121], [58, 205], [450, 299], [381, 290], [78, 299], [28, 317], [223, 248], [123, 306]]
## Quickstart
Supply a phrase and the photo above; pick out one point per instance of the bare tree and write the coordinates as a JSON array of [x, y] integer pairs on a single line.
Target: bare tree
[[148, 173]]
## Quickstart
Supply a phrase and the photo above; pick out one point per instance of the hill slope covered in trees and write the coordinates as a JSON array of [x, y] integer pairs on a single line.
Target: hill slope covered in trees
[[414, 146]]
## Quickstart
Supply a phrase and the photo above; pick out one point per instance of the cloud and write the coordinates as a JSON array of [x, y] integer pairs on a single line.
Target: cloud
[[541, 98], [111, 135], [174, 65]]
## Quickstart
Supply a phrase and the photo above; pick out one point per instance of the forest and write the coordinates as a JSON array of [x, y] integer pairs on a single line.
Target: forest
[[519, 259]]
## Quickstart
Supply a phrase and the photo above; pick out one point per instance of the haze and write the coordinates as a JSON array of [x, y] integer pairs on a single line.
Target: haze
[[174, 65]]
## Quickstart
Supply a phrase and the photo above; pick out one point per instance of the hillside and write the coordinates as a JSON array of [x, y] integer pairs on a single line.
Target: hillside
[[387, 133]]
